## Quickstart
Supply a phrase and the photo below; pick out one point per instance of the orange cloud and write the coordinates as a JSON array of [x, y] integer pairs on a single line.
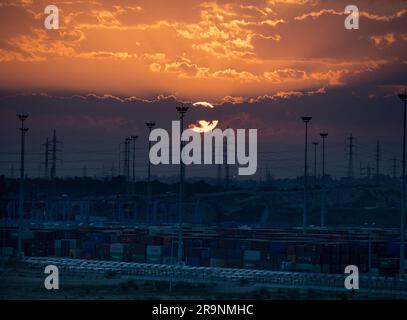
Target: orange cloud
[[223, 51]]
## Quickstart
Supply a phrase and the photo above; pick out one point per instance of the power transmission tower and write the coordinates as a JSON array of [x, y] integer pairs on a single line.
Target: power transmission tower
[[46, 158], [351, 147], [22, 118], [54, 151], [378, 162]]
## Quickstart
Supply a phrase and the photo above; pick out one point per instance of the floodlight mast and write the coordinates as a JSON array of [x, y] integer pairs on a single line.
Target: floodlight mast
[[182, 111], [150, 125], [403, 98], [306, 120]]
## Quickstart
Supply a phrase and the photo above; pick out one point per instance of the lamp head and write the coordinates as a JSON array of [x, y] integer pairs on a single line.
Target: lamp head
[[402, 96], [306, 119], [22, 117], [150, 124], [182, 109]]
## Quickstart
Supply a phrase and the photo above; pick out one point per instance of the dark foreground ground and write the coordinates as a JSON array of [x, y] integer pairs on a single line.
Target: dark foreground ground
[[23, 283]]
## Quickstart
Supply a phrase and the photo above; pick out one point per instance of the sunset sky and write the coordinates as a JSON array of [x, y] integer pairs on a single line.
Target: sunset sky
[[113, 64]]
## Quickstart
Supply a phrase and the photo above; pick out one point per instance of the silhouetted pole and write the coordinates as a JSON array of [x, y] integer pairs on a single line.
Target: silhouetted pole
[[127, 163], [403, 97], [150, 126], [394, 167], [46, 162], [304, 218], [134, 138], [23, 130], [54, 156], [225, 161], [315, 163], [323, 193], [350, 164], [181, 110], [378, 162]]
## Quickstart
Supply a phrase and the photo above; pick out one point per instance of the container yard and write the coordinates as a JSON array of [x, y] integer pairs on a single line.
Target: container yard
[[318, 251]]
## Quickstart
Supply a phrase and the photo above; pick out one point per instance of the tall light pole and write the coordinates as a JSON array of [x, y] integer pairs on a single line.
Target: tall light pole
[[403, 98], [306, 120], [127, 151], [150, 126], [323, 135], [23, 130], [134, 138], [181, 110], [315, 163]]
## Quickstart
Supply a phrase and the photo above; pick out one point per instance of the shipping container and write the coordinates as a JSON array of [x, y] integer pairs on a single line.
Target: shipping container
[[216, 262], [74, 253], [103, 251], [234, 263], [251, 255], [153, 250], [169, 260], [116, 256], [278, 247], [193, 261], [118, 248], [25, 235], [138, 257], [292, 258], [235, 254]]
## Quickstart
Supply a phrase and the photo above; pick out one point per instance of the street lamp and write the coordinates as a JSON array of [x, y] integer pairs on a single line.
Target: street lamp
[[306, 120], [127, 163], [182, 111], [150, 126], [23, 130], [403, 98], [323, 135]]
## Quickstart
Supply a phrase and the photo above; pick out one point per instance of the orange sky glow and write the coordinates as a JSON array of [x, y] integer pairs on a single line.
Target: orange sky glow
[[213, 51]]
